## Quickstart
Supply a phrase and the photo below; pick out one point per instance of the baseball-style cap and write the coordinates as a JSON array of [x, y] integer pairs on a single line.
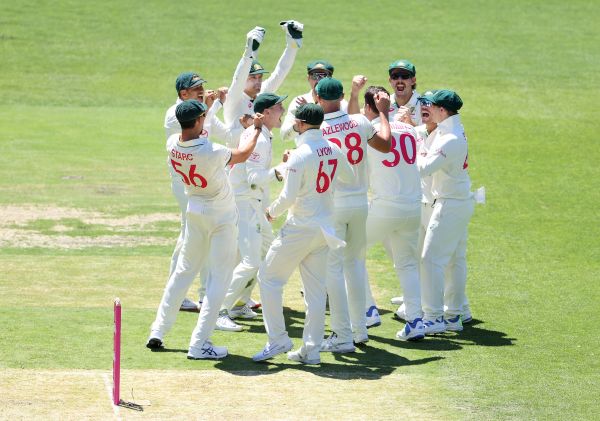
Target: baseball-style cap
[[188, 80], [403, 64], [310, 113], [267, 100], [447, 99], [319, 65], [189, 110], [330, 89], [427, 96], [256, 68]]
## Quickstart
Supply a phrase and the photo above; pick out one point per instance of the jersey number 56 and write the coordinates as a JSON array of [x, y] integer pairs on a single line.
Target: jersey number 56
[[192, 177]]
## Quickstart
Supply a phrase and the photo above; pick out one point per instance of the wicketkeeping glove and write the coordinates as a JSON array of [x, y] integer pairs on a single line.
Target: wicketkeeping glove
[[293, 29], [254, 38]]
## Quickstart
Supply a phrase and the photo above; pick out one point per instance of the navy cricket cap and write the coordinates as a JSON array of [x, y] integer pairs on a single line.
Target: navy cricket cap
[[188, 80], [190, 110]]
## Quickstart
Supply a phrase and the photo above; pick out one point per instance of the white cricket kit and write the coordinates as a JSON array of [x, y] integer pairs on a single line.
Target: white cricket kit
[[286, 131], [250, 181], [210, 235], [347, 296], [394, 211], [446, 236], [239, 103], [311, 175], [413, 105]]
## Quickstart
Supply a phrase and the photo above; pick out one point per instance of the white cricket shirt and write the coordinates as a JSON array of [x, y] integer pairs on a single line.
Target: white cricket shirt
[[351, 133], [424, 144], [394, 177], [413, 105], [447, 162]]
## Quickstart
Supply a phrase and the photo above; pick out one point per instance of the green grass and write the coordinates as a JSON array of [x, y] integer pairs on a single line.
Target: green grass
[[83, 91]]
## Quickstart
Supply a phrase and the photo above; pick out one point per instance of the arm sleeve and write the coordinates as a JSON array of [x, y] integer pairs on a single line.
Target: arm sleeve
[[234, 95], [216, 128], [286, 131], [443, 153], [283, 67], [257, 166], [291, 187], [223, 154]]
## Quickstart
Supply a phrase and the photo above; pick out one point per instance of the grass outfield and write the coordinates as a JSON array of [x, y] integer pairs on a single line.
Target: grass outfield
[[86, 212]]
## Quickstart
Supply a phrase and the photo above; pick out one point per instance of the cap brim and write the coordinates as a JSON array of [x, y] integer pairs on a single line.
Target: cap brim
[[281, 99], [258, 72], [197, 83], [401, 68]]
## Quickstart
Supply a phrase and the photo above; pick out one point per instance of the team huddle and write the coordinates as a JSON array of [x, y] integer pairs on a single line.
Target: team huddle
[[393, 171]]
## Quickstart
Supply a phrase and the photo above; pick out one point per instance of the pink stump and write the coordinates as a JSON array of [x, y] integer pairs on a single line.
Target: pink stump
[[117, 352]]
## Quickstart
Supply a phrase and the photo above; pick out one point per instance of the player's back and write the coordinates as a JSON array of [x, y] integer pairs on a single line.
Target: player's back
[[394, 176], [201, 166], [351, 134], [320, 165]]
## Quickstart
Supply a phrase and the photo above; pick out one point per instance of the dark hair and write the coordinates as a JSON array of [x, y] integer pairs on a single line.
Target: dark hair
[[187, 124], [370, 95]]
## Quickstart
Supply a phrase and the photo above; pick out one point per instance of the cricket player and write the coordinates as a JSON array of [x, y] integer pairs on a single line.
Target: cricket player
[[346, 268], [446, 236], [250, 181], [394, 212], [311, 175], [248, 81], [317, 70], [189, 85], [211, 229], [403, 80]]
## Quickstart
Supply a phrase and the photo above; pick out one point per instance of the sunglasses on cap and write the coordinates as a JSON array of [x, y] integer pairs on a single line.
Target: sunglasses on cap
[[426, 102], [398, 75], [318, 75]]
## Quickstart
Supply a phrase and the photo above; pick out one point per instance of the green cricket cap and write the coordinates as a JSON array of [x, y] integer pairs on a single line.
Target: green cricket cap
[[190, 110], [310, 113], [267, 100], [403, 64], [427, 96], [256, 68], [330, 89], [188, 80], [447, 99], [319, 65]]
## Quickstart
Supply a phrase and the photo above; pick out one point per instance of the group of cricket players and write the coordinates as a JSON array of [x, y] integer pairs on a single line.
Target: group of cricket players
[[392, 170]]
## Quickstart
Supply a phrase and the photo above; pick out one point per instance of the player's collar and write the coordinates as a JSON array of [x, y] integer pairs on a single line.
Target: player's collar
[[413, 100], [335, 114], [310, 134], [448, 124], [375, 121], [191, 143]]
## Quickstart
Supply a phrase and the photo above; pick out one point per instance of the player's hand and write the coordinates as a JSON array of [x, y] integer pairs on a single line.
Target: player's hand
[[268, 216], [209, 97], [358, 82], [258, 120], [222, 93], [293, 29], [254, 38], [404, 115], [286, 155], [382, 102], [300, 101], [246, 121]]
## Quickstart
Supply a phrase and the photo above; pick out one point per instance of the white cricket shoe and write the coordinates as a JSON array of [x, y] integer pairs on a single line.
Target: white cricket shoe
[[454, 324], [242, 312], [301, 358], [397, 300], [373, 319], [224, 322], [434, 326], [412, 331], [401, 312], [270, 350], [207, 351], [361, 339], [332, 344], [189, 305]]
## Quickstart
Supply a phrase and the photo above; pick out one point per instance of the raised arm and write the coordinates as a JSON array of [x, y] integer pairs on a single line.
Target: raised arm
[[241, 154], [381, 140], [358, 82], [293, 31]]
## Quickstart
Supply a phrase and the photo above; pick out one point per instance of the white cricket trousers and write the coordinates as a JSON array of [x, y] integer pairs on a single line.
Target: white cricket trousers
[[445, 240], [347, 273], [398, 229], [295, 246], [178, 189], [456, 271], [254, 239], [210, 239]]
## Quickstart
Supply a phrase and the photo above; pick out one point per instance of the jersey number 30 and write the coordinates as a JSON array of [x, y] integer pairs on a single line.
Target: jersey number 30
[[192, 177], [323, 179], [403, 149]]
